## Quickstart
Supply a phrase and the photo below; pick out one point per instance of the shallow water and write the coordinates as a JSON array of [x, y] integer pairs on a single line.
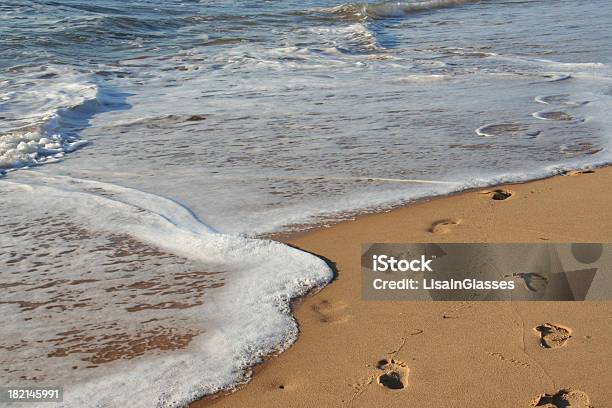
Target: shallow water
[[201, 121]]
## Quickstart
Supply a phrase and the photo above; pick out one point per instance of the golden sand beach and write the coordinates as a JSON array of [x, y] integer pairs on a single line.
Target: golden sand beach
[[356, 353]]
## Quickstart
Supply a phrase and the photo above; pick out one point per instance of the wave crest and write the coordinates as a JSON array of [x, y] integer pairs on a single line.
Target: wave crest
[[45, 120], [391, 9]]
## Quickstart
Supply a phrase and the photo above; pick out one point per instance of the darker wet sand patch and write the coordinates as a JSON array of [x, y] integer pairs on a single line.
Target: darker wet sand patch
[[195, 118], [137, 301], [116, 346]]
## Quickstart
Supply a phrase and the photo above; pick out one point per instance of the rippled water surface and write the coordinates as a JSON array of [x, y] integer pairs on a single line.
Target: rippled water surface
[[260, 115], [184, 125]]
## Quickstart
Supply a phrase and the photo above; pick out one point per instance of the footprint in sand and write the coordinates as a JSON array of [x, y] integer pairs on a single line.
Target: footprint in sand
[[564, 398], [499, 195], [444, 226], [553, 115], [395, 376], [504, 129], [552, 335], [562, 99], [330, 312], [579, 149]]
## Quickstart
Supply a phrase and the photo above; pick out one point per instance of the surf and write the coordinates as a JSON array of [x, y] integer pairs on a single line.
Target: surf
[[221, 302], [392, 9]]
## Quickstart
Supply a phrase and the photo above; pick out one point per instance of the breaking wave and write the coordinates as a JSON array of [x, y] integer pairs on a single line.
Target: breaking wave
[[51, 128], [391, 9]]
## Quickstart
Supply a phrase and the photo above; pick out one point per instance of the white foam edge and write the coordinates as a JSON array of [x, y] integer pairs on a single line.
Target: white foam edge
[[246, 319], [480, 131]]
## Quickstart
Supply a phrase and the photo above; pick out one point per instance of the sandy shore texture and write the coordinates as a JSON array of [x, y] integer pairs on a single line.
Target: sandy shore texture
[[354, 353]]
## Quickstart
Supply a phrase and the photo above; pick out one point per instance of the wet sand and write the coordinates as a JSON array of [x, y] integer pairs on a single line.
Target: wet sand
[[355, 353]]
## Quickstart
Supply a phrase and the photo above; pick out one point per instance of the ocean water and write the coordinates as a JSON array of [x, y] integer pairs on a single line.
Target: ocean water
[[144, 146]]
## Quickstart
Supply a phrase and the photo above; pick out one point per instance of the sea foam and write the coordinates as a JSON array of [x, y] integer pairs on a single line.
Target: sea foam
[[257, 119], [207, 339], [44, 122]]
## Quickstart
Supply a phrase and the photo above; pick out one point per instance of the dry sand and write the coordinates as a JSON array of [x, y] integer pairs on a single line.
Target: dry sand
[[449, 354]]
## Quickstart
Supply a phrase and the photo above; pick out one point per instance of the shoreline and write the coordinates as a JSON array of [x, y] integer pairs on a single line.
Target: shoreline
[[289, 235], [343, 338]]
